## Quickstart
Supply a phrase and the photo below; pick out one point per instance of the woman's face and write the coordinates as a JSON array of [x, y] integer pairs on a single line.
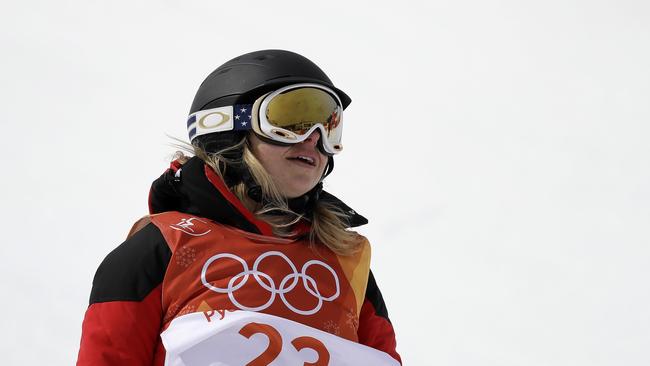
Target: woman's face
[[295, 169]]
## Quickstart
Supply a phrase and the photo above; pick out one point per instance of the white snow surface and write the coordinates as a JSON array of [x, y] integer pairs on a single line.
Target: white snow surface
[[500, 150]]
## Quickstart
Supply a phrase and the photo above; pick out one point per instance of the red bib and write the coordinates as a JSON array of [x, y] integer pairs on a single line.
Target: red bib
[[218, 268]]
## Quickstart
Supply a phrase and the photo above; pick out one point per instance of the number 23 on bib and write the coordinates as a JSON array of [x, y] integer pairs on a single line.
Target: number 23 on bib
[[239, 338]]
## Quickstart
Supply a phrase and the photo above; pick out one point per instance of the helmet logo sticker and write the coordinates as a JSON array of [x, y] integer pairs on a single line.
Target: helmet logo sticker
[[217, 121], [210, 120]]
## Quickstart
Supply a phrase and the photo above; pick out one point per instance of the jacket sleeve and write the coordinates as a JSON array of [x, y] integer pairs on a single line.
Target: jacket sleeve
[[375, 329], [122, 323]]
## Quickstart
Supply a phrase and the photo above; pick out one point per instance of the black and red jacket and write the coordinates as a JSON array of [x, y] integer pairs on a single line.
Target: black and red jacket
[[127, 313]]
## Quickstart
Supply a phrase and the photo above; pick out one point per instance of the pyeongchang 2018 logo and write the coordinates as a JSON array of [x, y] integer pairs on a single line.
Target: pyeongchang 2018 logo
[[192, 226], [275, 289]]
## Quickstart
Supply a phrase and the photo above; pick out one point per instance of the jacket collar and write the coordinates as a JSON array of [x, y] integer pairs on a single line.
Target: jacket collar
[[194, 188]]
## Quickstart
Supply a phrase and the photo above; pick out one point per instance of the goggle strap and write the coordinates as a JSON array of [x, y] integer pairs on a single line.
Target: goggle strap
[[227, 118]]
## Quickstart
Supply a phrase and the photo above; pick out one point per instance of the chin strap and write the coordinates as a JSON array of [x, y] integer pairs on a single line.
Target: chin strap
[[329, 167], [302, 205], [305, 204]]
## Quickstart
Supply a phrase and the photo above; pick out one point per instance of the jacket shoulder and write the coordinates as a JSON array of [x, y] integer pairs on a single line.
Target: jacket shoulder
[[133, 269]]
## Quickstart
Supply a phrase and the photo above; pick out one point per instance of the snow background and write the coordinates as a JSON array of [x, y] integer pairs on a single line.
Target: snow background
[[499, 148]]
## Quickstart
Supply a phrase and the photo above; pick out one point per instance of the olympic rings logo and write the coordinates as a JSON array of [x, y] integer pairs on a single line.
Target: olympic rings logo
[[287, 284]]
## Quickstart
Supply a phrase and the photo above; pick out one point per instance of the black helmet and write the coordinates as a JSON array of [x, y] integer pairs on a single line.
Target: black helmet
[[255, 73], [247, 77]]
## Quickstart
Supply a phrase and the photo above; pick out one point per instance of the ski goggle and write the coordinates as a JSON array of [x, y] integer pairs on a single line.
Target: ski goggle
[[288, 115]]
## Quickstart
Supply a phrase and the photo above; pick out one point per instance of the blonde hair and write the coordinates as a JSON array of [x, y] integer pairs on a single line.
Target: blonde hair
[[328, 222]]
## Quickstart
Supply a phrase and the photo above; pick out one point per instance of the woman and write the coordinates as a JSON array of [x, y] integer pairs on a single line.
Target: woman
[[244, 258]]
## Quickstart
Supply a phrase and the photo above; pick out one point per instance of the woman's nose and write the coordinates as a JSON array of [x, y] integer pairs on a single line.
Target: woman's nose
[[313, 138]]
